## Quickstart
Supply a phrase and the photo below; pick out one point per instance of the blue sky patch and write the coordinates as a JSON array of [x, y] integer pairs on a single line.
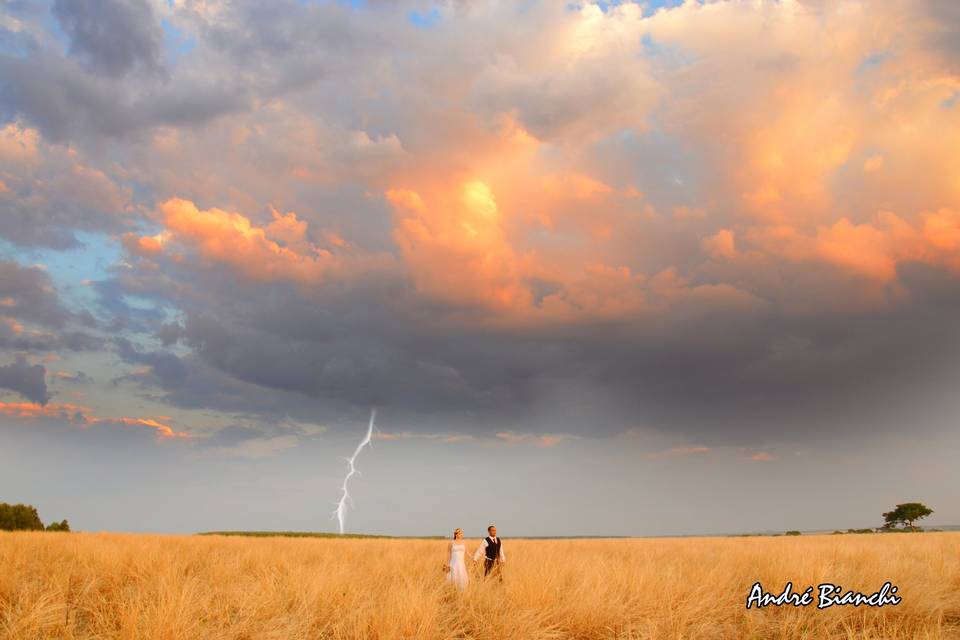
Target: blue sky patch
[[71, 269], [424, 19], [176, 44]]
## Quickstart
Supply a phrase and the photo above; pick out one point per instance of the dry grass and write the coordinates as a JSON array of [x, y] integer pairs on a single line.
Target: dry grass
[[180, 588]]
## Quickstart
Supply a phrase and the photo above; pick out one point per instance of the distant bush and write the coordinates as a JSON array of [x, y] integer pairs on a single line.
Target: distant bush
[[792, 533], [860, 531], [24, 517], [838, 533], [63, 525]]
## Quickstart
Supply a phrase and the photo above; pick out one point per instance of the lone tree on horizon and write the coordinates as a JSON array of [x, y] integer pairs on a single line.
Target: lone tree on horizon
[[907, 513]]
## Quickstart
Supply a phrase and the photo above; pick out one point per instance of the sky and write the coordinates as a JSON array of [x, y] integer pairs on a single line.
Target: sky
[[603, 268]]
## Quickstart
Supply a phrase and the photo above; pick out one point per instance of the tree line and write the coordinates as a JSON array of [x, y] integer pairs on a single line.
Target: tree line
[[903, 517], [24, 517]]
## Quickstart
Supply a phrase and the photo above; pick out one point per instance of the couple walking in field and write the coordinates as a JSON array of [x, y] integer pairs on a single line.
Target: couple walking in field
[[491, 548]]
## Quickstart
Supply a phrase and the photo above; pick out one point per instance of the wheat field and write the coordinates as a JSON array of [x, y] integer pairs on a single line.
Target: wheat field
[[104, 586]]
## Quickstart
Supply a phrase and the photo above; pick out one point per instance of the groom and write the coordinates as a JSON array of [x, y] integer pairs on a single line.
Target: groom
[[492, 548]]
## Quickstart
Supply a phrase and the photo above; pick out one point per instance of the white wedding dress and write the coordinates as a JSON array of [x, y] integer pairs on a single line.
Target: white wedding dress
[[458, 568]]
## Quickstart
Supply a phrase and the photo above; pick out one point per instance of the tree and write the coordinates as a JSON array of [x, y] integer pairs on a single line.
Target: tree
[[63, 525], [24, 517], [19, 517], [906, 514]]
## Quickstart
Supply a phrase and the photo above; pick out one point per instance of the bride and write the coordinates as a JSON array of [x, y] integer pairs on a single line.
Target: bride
[[456, 567]]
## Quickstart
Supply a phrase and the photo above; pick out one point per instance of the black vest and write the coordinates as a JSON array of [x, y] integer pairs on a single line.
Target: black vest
[[493, 548]]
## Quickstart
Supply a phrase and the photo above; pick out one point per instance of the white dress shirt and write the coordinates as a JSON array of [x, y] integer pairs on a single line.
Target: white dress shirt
[[481, 551]]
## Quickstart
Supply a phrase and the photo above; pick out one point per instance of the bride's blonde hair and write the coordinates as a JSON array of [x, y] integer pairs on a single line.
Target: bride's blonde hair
[[456, 531]]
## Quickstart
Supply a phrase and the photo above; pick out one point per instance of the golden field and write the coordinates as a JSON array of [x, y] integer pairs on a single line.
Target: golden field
[[87, 585]]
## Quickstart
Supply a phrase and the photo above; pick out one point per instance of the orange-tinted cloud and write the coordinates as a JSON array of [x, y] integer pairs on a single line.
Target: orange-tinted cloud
[[84, 415], [679, 452], [833, 155], [538, 440], [13, 325], [163, 430], [445, 438], [720, 245], [50, 410], [277, 251], [872, 249], [518, 199], [143, 246], [456, 248]]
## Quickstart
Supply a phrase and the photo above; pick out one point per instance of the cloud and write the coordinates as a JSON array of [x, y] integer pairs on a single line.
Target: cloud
[[279, 251], [445, 438], [539, 440], [85, 417], [27, 294], [163, 430], [456, 248], [52, 191], [52, 409], [78, 377], [721, 245], [27, 380], [679, 452], [113, 37], [58, 97], [574, 219], [169, 370], [170, 333], [553, 82]]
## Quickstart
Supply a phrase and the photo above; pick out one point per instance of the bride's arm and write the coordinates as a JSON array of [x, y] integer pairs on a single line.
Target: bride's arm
[[449, 553]]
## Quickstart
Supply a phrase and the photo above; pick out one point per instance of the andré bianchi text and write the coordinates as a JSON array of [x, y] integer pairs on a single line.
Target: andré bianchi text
[[828, 595]]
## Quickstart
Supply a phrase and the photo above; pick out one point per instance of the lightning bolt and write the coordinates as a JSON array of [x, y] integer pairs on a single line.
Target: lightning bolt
[[341, 513]]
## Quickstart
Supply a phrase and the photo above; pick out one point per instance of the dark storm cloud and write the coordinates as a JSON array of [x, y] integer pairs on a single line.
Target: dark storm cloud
[[268, 350], [361, 366], [773, 374], [707, 373], [26, 379], [208, 388], [112, 36]]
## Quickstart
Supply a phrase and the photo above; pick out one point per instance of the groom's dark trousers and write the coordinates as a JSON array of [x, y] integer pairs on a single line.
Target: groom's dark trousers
[[491, 565]]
